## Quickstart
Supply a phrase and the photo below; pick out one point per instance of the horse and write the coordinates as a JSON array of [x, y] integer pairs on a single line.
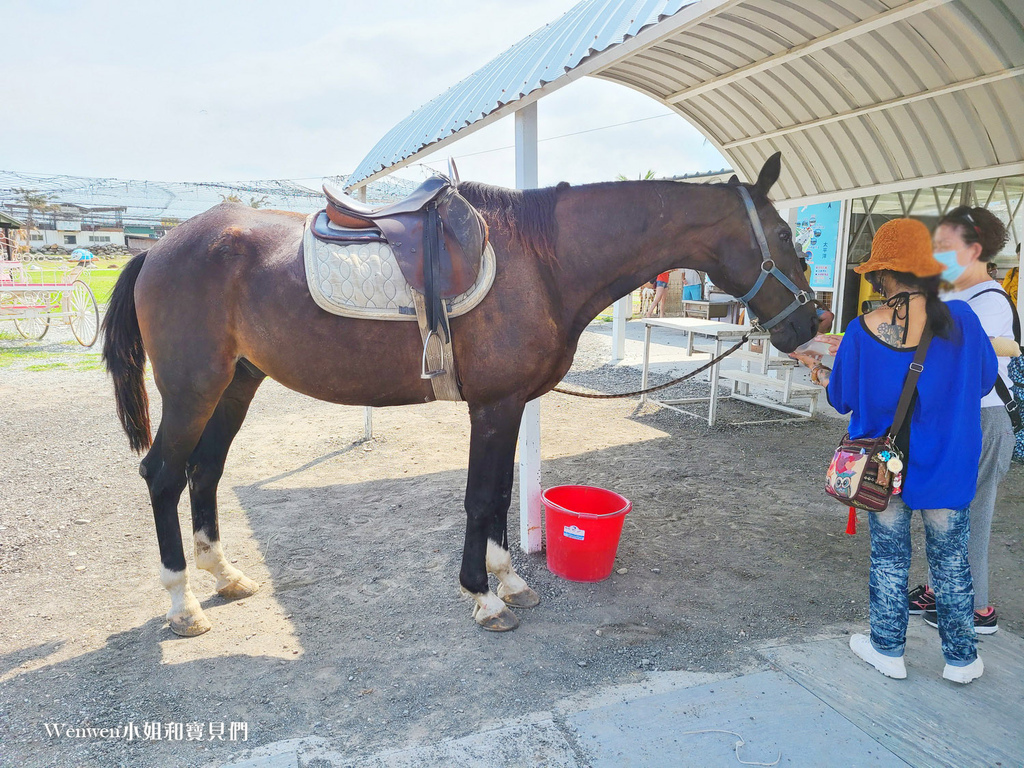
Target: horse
[[221, 302]]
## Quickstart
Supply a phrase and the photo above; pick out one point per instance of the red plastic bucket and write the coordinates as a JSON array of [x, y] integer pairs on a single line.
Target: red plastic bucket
[[582, 525]]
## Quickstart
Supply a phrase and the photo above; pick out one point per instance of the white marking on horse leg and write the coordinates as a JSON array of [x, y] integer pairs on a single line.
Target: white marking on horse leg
[[512, 588], [231, 582], [499, 562], [490, 612], [186, 616], [488, 605]]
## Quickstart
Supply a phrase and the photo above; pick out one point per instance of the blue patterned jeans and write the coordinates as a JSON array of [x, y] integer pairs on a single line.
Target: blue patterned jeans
[[946, 534]]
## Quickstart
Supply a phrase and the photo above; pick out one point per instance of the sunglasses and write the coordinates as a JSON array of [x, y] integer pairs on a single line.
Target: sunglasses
[[966, 218]]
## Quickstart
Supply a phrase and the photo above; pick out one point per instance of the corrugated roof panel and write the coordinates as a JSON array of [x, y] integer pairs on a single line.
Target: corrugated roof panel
[[542, 57], [856, 93]]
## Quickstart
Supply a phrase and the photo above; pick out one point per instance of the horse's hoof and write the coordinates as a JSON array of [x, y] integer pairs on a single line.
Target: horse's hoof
[[190, 625], [504, 621], [526, 598], [239, 588]]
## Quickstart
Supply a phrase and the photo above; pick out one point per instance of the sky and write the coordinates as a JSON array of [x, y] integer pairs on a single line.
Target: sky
[[225, 90]]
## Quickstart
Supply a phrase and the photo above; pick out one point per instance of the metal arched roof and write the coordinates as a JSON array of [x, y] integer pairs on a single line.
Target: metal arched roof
[[860, 95]]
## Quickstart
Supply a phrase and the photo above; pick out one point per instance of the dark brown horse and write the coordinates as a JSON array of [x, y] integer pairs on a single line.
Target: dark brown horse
[[221, 302]]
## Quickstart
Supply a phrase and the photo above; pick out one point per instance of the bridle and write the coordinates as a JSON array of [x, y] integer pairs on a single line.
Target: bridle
[[768, 268]]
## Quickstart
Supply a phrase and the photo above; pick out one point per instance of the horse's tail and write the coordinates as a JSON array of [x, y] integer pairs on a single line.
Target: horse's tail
[[125, 356]]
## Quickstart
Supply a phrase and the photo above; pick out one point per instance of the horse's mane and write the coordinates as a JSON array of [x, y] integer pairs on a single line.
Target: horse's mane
[[527, 215]]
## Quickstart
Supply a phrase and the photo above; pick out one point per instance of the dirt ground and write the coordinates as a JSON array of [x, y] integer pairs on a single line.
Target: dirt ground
[[359, 634]]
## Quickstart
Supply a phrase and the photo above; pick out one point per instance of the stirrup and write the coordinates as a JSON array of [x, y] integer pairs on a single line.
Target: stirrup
[[425, 374]]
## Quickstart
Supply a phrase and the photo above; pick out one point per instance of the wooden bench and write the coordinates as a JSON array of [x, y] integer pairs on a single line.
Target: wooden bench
[[773, 363], [789, 390]]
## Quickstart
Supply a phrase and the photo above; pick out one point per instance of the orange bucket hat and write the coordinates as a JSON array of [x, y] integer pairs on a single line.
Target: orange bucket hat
[[902, 245]]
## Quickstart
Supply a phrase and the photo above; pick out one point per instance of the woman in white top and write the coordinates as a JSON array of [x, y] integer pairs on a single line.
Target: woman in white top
[[965, 241]]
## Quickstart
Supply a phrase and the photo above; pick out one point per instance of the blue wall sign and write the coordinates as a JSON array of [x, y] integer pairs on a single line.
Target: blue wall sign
[[816, 236]]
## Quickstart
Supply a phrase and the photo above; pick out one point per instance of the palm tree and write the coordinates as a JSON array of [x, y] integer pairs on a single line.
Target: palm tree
[[34, 201], [648, 176], [232, 198], [258, 202]]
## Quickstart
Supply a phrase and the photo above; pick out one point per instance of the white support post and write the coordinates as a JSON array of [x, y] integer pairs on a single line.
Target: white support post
[[621, 311], [1020, 238], [367, 410], [530, 522], [842, 256]]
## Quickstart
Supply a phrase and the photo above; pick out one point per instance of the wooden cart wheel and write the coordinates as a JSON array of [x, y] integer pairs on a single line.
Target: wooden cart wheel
[[32, 328], [84, 314]]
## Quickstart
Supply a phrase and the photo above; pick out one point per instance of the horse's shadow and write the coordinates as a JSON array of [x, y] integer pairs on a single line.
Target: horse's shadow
[[361, 585]]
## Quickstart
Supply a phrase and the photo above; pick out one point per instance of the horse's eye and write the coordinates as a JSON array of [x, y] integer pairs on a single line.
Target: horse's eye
[[785, 236]]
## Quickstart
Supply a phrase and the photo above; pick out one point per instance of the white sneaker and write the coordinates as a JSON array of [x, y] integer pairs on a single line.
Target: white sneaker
[[964, 675], [890, 666]]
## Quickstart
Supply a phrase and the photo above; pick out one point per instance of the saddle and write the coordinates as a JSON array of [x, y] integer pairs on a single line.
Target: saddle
[[437, 237]]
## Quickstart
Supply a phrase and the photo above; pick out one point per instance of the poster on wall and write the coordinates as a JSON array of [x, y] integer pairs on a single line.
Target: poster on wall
[[816, 236]]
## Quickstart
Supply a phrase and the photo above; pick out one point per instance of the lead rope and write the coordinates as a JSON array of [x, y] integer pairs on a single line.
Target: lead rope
[[672, 383]]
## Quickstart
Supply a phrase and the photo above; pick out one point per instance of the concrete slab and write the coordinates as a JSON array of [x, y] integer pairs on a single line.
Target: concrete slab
[[539, 742], [757, 719], [529, 741], [926, 720]]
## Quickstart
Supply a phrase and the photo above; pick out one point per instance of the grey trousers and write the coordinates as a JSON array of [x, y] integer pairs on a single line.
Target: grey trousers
[[997, 442]]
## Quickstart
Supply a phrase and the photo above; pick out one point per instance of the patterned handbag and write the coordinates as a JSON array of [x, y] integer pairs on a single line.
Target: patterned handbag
[[866, 472]]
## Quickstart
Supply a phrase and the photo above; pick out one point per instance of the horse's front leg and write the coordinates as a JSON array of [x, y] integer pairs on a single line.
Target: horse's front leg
[[492, 447]]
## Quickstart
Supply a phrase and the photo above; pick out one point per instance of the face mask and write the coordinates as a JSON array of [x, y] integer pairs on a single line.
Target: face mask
[[953, 268]]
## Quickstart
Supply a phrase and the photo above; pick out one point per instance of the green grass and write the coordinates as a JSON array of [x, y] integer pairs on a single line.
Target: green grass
[[89, 361], [12, 355], [102, 283], [100, 279]]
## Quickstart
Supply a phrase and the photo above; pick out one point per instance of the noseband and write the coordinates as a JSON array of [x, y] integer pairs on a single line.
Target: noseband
[[768, 268]]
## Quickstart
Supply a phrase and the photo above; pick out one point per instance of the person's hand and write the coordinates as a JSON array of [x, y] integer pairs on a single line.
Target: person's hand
[[825, 321], [832, 339], [808, 358]]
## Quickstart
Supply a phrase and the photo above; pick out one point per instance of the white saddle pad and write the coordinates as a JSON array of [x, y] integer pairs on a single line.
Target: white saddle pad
[[364, 280]]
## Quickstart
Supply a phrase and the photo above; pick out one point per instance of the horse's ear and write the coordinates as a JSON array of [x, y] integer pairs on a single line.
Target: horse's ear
[[734, 179], [769, 173]]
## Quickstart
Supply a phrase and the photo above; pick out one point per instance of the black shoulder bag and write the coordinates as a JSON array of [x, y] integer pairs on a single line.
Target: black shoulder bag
[[1009, 402]]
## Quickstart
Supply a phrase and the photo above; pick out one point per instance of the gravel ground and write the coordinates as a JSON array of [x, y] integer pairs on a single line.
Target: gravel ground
[[359, 634]]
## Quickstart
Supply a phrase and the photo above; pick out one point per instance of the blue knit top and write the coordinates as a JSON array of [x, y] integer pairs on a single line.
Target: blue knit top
[[945, 425]]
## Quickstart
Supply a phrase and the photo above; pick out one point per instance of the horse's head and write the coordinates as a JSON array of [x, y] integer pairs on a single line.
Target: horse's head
[[758, 264]]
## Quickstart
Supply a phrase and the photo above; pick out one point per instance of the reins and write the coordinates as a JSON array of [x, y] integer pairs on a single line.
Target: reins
[[708, 364], [768, 269]]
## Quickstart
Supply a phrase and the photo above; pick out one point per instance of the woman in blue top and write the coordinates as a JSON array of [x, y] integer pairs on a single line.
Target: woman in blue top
[[940, 441]]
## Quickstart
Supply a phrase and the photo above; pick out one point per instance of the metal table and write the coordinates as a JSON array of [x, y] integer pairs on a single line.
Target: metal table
[[723, 334]]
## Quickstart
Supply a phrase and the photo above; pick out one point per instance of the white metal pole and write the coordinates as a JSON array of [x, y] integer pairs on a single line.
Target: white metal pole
[[530, 522], [367, 410], [621, 310], [1020, 238], [842, 255]]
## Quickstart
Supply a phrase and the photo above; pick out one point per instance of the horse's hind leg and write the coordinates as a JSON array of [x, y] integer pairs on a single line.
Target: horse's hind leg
[[488, 495], [186, 410], [204, 469]]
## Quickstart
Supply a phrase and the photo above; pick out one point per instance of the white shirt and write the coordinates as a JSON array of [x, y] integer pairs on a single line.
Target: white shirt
[[996, 318], [691, 277]]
